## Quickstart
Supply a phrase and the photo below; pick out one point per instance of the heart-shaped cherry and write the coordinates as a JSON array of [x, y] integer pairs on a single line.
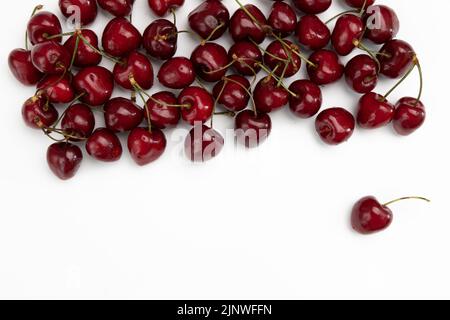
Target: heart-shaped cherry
[[177, 73], [86, 9], [199, 105], [118, 8], [326, 69], [64, 159], [233, 92], [374, 111], [22, 67], [282, 57], [360, 3], [349, 28], [282, 19], [269, 96], [210, 19], [160, 39], [162, 7], [162, 112], [335, 125], [247, 58], [50, 57], [243, 28], [252, 129], [78, 121], [203, 144], [382, 24], [43, 25], [120, 37], [396, 58], [312, 32], [409, 115], [104, 145], [58, 89], [95, 83], [37, 113], [122, 115], [135, 67], [312, 6], [210, 61], [85, 56], [308, 99], [146, 146], [361, 73]]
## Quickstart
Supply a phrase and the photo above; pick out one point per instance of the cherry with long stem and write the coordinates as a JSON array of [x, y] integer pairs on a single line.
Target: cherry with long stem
[[36, 9]]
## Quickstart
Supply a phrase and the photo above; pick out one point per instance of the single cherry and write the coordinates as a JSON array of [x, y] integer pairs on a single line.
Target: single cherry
[[396, 58], [146, 146], [203, 144], [50, 57], [199, 105], [359, 3], [58, 89], [283, 58], [308, 99], [243, 28], [177, 73], [252, 129], [349, 28], [160, 39], [87, 10], [374, 111], [43, 25], [22, 67], [85, 56], [78, 121], [312, 32], [361, 73], [210, 61], [269, 96], [95, 83], [118, 8], [37, 113], [64, 159], [163, 7], [282, 19], [120, 37], [312, 6], [135, 67], [247, 58], [122, 115], [409, 115], [104, 145], [382, 24], [335, 125], [233, 92], [210, 19], [162, 110], [327, 69]]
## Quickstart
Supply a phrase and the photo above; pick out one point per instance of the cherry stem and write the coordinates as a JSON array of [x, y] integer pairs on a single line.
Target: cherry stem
[[341, 14], [75, 51], [267, 52], [100, 52], [402, 79], [270, 73], [226, 113], [363, 8], [35, 10], [172, 11], [357, 43], [419, 68], [204, 41], [65, 34], [220, 69], [249, 92], [406, 198], [301, 56]]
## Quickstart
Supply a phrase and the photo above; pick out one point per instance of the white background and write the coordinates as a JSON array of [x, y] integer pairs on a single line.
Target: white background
[[272, 223]]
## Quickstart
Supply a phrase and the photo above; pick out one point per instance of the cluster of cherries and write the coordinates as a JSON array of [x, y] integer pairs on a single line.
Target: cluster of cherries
[[70, 74]]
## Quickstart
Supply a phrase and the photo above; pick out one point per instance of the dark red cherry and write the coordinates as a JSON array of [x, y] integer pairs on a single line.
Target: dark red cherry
[[87, 10], [163, 7], [269, 96], [43, 25], [162, 113], [335, 125], [374, 111], [359, 3], [312, 32], [120, 37], [104, 145], [243, 28], [203, 144], [327, 69], [252, 130], [361, 73], [146, 147], [122, 115], [232, 92], [369, 216], [177, 73], [96, 83], [382, 24], [78, 121], [200, 102], [312, 6], [160, 39], [64, 159], [396, 58], [282, 19], [247, 57], [210, 61], [409, 115], [210, 19], [57, 88], [276, 52], [86, 56], [118, 8], [349, 28], [50, 57], [37, 113], [308, 100], [22, 68], [135, 66]]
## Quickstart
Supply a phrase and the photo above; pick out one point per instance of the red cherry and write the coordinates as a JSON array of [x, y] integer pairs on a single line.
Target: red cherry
[[201, 105], [22, 68], [135, 67], [312, 32], [85, 56], [369, 216], [162, 113], [396, 58], [177, 73], [276, 52], [349, 28], [210, 61], [252, 130], [335, 125], [243, 28], [361, 73], [308, 100], [87, 10], [210, 19], [382, 24], [360, 3], [247, 57], [104, 145], [146, 147], [56, 88], [203, 144], [312, 6], [162, 7], [118, 8], [120, 37], [78, 121], [160, 39], [409, 115], [50, 57], [43, 25], [282, 19], [232, 92], [269, 96], [64, 159], [374, 111], [96, 83], [37, 113], [122, 115], [327, 69]]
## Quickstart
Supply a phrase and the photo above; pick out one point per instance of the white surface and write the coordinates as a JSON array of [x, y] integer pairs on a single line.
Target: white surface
[[267, 224]]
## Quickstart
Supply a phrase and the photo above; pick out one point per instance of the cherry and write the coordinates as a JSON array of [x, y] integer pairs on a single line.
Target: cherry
[[118, 8], [199, 105], [349, 28], [374, 111], [210, 61], [56, 88], [247, 57], [162, 7], [233, 92], [78, 121], [85, 56], [242, 26], [335, 125], [312, 32], [312, 6], [135, 67], [283, 58], [252, 129], [120, 37], [162, 113], [122, 115], [43, 25], [360, 3], [64, 159], [37, 113], [282, 19], [87, 10], [22, 68], [160, 39], [396, 57], [269, 96], [50, 57], [177, 73], [409, 115], [203, 144], [210, 19], [361, 73], [308, 99], [146, 146], [95, 83], [382, 24], [327, 69], [104, 145]]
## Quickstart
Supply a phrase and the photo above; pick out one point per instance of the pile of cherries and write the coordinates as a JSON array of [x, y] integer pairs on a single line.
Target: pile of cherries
[[68, 73]]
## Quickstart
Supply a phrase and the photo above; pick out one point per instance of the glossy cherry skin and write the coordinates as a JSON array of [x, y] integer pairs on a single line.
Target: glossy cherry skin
[[122, 115], [359, 3], [328, 68], [232, 92], [160, 39], [247, 57], [210, 61], [120, 37], [369, 216], [87, 10], [162, 114], [97, 84], [56, 88], [374, 111], [118, 8], [349, 28], [312, 6], [207, 18], [252, 130], [42, 25], [361, 73], [163, 7], [335, 125], [104, 145], [201, 105], [50, 57], [203, 144], [64, 159], [396, 58], [177, 73], [22, 68], [409, 115], [38, 114], [312, 32], [243, 28], [382, 24], [269, 96], [85, 56], [78, 121], [146, 147], [308, 100], [137, 66], [277, 49], [282, 19]]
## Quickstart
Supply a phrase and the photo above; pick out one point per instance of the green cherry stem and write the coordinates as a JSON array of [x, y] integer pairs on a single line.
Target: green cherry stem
[[341, 14], [249, 92], [403, 79], [100, 52], [406, 198]]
